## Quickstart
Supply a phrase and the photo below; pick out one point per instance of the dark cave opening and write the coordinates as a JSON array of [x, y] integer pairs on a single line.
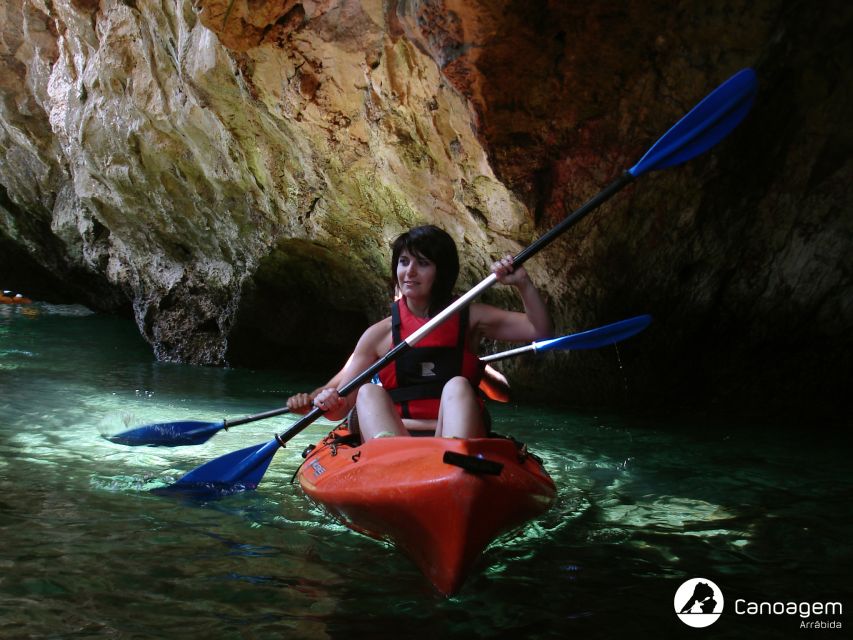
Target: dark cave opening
[[304, 309]]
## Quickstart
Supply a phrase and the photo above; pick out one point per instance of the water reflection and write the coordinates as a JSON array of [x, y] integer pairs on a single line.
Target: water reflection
[[88, 550]]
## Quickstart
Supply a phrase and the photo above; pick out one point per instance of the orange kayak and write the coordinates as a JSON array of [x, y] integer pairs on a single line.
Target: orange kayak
[[13, 298], [441, 501]]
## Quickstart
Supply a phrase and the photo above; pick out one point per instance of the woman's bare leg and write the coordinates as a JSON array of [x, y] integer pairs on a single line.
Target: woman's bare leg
[[459, 414], [376, 413]]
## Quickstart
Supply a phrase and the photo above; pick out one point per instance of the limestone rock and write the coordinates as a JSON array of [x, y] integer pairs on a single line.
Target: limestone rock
[[232, 171]]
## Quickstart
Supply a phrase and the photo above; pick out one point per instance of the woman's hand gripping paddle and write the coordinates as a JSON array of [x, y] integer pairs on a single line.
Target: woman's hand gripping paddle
[[703, 127]]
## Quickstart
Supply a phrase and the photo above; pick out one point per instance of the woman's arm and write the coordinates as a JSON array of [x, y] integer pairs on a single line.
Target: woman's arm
[[371, 346], [512, 326]]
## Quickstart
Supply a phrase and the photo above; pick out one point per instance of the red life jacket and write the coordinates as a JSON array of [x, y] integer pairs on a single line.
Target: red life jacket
[[415, 380]]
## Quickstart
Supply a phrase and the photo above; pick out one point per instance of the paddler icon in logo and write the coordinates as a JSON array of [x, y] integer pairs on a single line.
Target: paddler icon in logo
[[698, 602]]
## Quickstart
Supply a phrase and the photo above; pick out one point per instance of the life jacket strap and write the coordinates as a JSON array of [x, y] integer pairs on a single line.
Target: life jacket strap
[[416, 392]]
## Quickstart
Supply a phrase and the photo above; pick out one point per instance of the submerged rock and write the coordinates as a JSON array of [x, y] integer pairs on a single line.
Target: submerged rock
[[231, 173]]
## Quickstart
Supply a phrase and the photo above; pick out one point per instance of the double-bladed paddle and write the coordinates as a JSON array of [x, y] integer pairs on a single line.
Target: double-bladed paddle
[[704, 126]]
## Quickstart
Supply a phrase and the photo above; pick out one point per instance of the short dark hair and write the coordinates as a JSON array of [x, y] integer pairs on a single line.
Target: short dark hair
[[435, 245]]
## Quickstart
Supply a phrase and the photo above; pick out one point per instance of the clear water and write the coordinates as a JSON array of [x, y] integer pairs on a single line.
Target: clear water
[[87, 552]]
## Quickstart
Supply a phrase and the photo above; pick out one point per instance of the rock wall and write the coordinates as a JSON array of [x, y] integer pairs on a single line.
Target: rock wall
[[232, 172]]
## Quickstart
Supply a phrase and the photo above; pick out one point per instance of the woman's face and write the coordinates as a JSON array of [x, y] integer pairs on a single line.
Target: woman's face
[[415, 275]]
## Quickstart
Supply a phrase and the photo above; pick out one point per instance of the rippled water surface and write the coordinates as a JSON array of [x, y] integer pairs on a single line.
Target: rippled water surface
[[87, 551]]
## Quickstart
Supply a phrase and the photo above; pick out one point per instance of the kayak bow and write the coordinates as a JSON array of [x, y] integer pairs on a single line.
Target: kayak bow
[[439, 500]]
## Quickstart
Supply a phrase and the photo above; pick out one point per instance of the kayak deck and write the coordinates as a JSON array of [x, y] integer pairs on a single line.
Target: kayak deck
[[441, 501]]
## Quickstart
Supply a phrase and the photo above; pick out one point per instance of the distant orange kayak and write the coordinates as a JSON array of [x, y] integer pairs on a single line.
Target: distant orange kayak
[[439, 500], [7, 297]]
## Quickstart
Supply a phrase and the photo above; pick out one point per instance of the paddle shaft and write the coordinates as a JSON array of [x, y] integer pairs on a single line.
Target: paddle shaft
[[590, 205], [257, 416], [508, 354]]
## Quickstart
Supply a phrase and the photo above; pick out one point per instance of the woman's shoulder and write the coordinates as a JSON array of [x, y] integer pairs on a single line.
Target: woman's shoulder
[[379, 327], [376, 336]]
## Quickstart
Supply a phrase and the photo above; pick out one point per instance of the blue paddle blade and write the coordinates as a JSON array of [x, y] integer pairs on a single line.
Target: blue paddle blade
[[595, 338], [704, 126], [237, 471], [168, 434]]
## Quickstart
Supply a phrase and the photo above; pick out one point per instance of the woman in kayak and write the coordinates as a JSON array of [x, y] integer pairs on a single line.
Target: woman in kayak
[[431, 388]]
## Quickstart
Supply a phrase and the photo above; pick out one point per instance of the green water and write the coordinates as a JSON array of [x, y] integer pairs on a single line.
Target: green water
[[87, 552]]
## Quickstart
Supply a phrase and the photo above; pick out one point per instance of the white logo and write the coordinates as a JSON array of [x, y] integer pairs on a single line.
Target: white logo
[[698, 602], [427, 369]]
